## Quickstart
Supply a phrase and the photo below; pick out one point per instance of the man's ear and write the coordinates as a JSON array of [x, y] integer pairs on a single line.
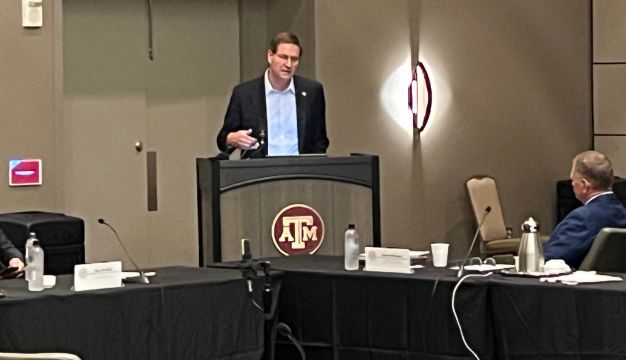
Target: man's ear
[[269, 54]]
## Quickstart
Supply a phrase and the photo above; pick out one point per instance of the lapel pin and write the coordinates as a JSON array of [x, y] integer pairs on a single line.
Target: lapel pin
[[304, 93]]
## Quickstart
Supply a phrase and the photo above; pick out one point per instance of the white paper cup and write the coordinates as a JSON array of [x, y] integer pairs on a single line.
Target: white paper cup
[[49, 281], [440, 254]]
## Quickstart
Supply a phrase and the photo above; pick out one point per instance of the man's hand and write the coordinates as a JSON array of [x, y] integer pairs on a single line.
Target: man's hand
[[18, 263], [242, 140]]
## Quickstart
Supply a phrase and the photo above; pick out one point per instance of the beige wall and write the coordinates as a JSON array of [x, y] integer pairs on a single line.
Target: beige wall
[[261, 19], [512, 99], [27, 106], [115, 96], [609, 81], [355, 56]]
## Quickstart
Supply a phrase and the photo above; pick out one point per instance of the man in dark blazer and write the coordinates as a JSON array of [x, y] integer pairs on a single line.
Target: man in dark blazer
[[255, 123], [592, 180], [10, 256]]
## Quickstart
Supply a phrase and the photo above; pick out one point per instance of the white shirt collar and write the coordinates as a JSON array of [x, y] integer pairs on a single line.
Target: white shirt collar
[[269, 88], [596, 195]]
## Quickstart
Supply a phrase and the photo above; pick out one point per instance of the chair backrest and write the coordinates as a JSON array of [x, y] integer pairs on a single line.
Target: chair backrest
[[482, 193], [607, 252]]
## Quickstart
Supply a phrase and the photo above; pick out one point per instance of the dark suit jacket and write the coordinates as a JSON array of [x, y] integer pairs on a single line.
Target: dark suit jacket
[[7, 250], [247, 110], [573, 236]]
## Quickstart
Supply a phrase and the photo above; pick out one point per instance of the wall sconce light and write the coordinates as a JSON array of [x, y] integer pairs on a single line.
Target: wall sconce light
[[420, 97]]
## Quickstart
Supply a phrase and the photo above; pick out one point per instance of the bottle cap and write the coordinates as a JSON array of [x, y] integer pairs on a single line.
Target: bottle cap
[[32, 234], [351, 226], [530, 225]]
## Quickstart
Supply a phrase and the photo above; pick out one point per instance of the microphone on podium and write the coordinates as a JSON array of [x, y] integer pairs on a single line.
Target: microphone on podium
[[224, 155], [480, 225], [262, 138], [142, 278]]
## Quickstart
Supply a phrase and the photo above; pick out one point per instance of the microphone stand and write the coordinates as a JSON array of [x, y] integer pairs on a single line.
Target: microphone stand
[[267, 288], [268, 334], [480, 225], [249, 268], [142, 278]]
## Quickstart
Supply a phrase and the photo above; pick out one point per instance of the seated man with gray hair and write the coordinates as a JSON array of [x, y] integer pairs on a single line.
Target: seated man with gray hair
[[592, 181]]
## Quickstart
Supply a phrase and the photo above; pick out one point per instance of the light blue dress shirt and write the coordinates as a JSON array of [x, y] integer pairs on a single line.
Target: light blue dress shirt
[[282, 120]]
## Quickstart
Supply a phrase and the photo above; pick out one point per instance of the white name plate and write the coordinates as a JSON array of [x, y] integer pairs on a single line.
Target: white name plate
[[103, 275], [388, 260]]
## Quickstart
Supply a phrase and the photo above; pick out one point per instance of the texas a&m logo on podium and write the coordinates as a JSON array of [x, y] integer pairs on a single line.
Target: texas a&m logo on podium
[[298, 230]]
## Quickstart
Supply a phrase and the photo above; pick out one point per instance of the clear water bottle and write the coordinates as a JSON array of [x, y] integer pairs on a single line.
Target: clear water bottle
[[28, 247], [35, 267], [351, 249]]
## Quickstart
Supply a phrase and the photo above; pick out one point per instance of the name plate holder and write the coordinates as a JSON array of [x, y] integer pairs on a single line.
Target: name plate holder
[[388, 260], [102, 275]]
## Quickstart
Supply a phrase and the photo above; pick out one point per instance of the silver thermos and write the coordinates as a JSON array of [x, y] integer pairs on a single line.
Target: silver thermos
[[530, 250]]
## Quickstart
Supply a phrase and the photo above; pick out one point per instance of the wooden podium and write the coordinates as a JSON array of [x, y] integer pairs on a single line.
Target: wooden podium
[[243, 199]]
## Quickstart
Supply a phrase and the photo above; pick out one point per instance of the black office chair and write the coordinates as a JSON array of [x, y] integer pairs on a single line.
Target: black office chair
[[607, 252]]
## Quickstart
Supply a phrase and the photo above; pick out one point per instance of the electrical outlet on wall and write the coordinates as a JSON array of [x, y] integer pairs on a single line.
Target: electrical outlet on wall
[[32, 13]]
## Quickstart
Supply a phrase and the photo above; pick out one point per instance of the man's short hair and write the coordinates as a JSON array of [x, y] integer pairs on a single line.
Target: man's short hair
[[284, 37], [596, 168]]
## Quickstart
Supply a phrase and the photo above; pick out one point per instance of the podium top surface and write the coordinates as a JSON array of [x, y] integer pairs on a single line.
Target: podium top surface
[[361, 169], [306, 159]]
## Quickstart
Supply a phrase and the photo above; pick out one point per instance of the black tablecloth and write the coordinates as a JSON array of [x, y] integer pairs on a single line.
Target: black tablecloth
[[186, 313], [365, 315], [370, 315], [535, 320]]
